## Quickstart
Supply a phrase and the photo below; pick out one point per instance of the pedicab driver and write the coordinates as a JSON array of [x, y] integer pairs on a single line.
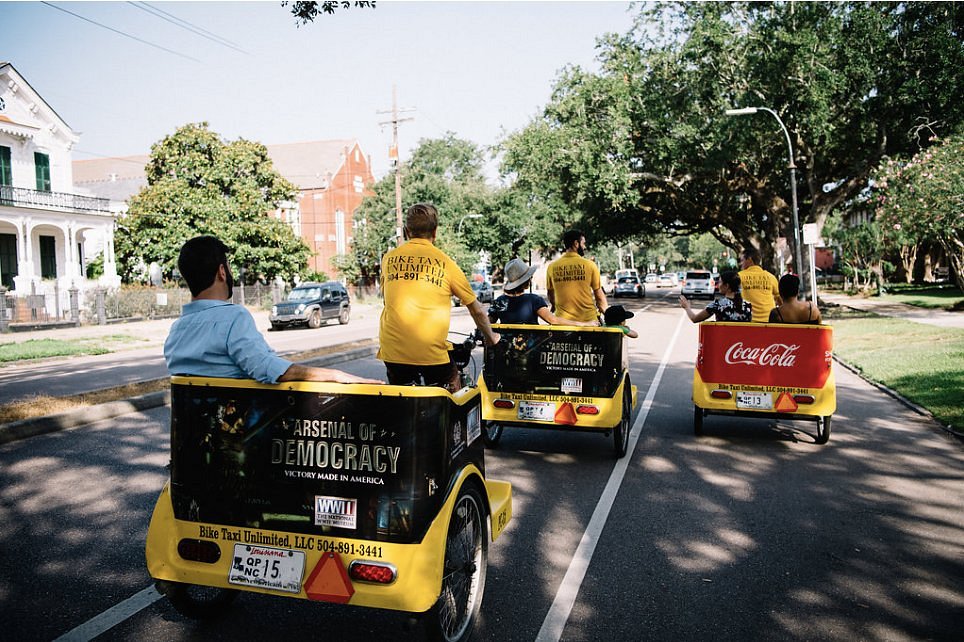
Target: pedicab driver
[[215, 338], [418, 282], [573, 284], [759, 287]]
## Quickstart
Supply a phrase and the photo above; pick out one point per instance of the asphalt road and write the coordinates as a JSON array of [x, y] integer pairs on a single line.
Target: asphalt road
[[749, 532]]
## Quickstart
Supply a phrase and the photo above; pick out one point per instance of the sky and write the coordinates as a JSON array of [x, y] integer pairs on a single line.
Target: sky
[[477, 69]]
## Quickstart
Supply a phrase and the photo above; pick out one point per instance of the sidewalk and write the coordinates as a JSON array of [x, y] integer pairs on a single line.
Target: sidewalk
[[940, 318]]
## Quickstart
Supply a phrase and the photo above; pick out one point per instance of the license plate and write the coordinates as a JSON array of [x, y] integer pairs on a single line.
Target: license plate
[[754, 400], [272, 568], [540, 410], [569, 385]]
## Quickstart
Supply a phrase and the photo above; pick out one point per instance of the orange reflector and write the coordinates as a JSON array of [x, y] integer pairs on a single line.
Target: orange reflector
[[377, 572], [587, 410], [803, 398], [503, 403], [785, 403], [329, 581], [721, 394], [565, 415], [199, 550]]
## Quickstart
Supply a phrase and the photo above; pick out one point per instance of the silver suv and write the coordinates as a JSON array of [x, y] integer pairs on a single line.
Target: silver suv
[[698, 283], [312, 304]]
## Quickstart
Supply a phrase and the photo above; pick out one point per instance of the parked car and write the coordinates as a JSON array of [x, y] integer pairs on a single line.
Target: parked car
[[483, 292], [652, 278], [312, 304], [667, 280], [629, 286], [699, 283]]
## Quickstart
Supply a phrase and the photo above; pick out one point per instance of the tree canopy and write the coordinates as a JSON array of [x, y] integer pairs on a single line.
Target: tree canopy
[[200, 184], [644, 145]]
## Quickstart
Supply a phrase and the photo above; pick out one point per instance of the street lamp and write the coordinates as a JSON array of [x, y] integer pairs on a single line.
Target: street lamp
[[746, 111], [458, 232]]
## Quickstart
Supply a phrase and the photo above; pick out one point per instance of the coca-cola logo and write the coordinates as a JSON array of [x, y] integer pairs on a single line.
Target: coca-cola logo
[[775, 354]]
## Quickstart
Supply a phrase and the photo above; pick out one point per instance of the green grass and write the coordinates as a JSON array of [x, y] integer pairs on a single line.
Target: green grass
[[923, 363], [44, 348], [944, 297]]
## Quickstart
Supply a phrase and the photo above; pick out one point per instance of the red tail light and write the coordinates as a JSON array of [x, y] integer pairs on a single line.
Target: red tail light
[[199, 550], [504, 403], [803, 398], [376, 572], [721, 394], [587, 410]]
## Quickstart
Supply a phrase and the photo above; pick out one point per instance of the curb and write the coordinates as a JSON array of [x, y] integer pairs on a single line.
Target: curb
[[34, 426]]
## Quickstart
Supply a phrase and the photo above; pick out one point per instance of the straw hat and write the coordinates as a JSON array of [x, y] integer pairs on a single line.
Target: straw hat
[[517, 273]]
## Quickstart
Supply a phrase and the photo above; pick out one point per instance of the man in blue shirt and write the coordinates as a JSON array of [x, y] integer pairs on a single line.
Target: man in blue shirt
[[215, 338]]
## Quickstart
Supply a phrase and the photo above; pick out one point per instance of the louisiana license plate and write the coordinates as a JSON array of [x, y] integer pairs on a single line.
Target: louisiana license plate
[[271, 568], [754, 400], [538, 410]]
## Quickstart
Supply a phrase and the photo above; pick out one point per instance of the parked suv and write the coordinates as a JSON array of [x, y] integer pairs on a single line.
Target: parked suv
[[312, 304], [699, 283]]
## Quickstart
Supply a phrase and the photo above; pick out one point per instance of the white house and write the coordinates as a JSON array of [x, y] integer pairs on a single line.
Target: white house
[[48, 233]]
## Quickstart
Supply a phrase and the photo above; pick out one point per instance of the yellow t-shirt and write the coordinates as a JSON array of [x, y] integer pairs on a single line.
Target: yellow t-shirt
[[572, 280], [759, 288], [418, 282]]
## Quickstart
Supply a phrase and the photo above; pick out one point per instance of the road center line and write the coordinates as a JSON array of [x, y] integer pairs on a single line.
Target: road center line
[[111, 617], [558, 615]]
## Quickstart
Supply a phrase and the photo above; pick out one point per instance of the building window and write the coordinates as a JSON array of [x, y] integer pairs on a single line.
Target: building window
[[48, 257], [8, 259], [6, 168], [42, 163], [339, 232], [359, 184]]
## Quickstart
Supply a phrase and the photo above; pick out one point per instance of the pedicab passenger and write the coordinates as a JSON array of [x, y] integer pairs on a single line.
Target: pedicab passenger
[[215, 338], [615, 317], [518, 306], [418, 282], [729, 307], [792, 310]]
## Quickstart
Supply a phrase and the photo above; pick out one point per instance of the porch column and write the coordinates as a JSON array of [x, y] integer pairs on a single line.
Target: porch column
[[110, 277], [25, 273]]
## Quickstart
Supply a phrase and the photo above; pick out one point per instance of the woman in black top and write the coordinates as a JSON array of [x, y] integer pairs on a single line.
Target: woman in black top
[[792, 310]]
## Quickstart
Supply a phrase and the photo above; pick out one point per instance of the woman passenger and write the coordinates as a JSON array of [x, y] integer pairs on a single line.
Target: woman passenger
[[518, 306], [729, 307], [793, 310]]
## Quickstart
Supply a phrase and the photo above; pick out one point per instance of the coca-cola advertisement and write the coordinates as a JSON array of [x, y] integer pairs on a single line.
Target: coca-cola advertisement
[[795, 356]]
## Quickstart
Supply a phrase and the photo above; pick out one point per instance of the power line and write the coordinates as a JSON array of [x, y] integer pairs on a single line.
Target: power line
[[184, 24], [126, 35]]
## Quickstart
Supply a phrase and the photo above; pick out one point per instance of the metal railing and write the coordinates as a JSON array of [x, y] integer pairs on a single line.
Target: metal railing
[[23, 197]]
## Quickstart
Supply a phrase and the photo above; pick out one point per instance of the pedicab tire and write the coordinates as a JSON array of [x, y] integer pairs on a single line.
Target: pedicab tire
[[697, 420], [315, 320], [823, 430], [491, 433], [621, 430], [453, 617], [197, 602]]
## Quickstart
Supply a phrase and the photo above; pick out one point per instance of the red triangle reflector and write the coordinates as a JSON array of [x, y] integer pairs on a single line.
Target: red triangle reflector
[[785, 403], [329, 581], [565, 415]]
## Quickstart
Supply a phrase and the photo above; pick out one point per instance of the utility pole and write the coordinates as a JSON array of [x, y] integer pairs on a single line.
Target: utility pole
[[393, 156]]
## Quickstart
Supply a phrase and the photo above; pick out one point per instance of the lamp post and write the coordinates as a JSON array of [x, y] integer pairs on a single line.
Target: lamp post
[[458, 231], [746, 111]]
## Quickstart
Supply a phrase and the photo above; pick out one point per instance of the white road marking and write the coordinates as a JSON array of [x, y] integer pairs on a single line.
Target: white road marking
[[558, 615], [111, 617]]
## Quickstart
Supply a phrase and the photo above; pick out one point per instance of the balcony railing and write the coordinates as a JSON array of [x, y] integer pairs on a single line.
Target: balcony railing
[[23, 197]]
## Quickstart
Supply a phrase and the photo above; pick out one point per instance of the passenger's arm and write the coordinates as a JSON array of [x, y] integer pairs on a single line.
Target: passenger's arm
[[695, 317], [298, 372], [482, 323], [552, 319]]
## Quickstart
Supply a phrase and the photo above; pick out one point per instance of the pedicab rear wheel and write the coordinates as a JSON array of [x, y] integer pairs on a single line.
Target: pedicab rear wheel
[[621, 430], [452, 619], [697, 420], [491, 433], [823, 430], [196, 602]]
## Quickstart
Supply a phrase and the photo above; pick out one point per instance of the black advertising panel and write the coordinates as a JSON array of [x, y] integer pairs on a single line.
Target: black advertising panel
[[540, 360], [343, 465]]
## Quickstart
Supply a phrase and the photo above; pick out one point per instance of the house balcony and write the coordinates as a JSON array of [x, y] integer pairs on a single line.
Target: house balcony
[[52, 201]]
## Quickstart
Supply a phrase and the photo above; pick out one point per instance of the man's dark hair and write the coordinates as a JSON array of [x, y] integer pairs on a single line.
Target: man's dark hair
[[789, 286], [199, 261], [752, 253], [570, 238], [421, 221]]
